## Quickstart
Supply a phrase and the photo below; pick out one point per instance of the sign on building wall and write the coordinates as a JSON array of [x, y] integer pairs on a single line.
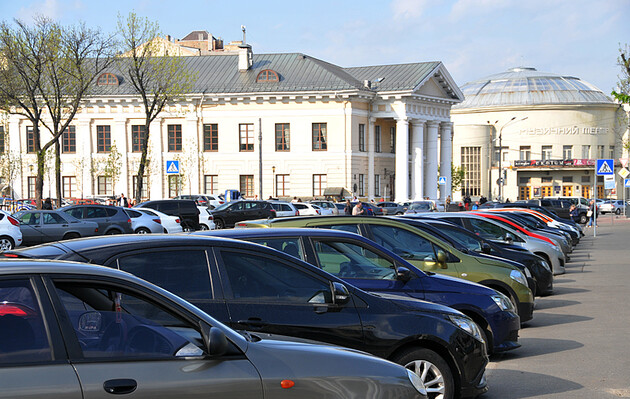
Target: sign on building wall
[[172, 167]]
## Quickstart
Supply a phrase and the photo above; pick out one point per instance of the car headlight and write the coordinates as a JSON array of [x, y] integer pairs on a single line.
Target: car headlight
[[544, 264], [416, 381], [467, 325], [503, 302], [528, 274], [518, 276]]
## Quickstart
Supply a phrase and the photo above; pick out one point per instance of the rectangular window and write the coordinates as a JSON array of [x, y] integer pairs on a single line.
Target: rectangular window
[[524, 180], [247, 185], [377, 139], [174, 133], [471, 163], [282, 185], [211, 137], [585, 179], [320, 142], [600, 152], [138, 138], [546, 191], [586, 191], [525, 153], [567, 179], [319, 185], [586, 152], [361, 184], [145, 187], [30, 140], [377, 185], [567, 152], [567, 191], [104, 185], [69, 140], [103, 138], [282, 136], [546, 179], [173, 186], [546, 152], [246, 137], [392, 139], [1, 139], [361, 137], [524, 193], [31, 186], [612, 152], [211, 184], [69, 186]]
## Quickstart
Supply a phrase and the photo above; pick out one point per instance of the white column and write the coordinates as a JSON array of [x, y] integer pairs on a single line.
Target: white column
[[417, 153], [192, 131], [446, 157], [119, 138], [370, 141], [431, 173], [85, 131], [402, 160], [158, 178], [17, 145]]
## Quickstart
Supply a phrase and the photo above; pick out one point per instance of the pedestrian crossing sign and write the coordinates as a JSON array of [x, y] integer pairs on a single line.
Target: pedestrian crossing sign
[[172, 167], [604, 167], [442, 180], [626, 183]]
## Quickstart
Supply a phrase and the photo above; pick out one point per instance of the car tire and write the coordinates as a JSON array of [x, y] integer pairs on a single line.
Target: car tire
[[142, 230], [71, 236], [399, 213], [6, 243], [618, 211], [112, 232], [203, 227], [219, 224], [583, 218], [434, 371]]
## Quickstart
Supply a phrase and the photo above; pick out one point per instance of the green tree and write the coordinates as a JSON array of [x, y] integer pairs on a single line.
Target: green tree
[[159, 79], [457, 177], [623, 95]]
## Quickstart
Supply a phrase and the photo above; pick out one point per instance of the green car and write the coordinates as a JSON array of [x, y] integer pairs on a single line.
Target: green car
[[424, 251]]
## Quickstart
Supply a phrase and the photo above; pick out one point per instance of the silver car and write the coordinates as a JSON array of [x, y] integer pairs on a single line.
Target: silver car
[[170, 224], [81, 331], [144, 223], [39, 226]]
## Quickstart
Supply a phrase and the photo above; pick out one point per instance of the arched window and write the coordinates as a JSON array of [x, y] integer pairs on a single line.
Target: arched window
[[267, 75], [107, 79]]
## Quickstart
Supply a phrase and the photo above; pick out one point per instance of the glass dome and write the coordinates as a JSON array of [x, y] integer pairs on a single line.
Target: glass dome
[[527, 86]]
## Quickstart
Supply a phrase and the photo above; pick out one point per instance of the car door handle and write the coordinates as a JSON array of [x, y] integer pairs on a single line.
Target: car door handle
[[253, 322], [64, 225], [120, 386]]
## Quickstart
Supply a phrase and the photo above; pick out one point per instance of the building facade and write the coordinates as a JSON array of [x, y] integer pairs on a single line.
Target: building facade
[[524, 133], [280, 125]]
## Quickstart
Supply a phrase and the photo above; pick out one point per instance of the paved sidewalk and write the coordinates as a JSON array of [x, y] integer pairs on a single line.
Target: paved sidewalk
[[578, 343]]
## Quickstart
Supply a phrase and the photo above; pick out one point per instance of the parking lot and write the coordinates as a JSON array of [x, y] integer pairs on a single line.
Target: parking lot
[[576, 346]]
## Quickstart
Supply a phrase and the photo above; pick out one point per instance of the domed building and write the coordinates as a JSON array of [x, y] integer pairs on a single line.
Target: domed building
[[523, 133]]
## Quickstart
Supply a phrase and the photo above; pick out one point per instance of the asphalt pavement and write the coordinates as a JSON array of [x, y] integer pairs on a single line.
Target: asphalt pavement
[[578, 343]]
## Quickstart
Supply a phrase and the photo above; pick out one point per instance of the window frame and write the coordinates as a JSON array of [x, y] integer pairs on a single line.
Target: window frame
[[246, 137], [69, 140], [210, 137], [103, 138], [174, 137], [283, 136], [138, 138], [361, 137], [319, 138]]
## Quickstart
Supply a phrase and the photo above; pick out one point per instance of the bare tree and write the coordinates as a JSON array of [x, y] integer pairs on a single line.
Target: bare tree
[[623, 86], [159, 79], [112, 166]]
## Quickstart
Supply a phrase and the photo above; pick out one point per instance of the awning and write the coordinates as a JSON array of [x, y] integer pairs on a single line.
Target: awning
[[337, 192]]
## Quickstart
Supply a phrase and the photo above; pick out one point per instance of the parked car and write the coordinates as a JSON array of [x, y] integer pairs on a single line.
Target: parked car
[[170, 224], [367, 265], [233, 212], [206, 220], [305, 209], [371, 209], [110, 219], [425, 252], [10, 233], [393, 208], [612, 206], [208, 200], [327, 207], [283, 208], [253, 287], [560, 207], [124, 336], [185, 210], [144, 223], [421, 207], [45, 226]]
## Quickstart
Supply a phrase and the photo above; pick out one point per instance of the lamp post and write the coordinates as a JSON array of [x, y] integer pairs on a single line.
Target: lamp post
[[273, 182], [501, 177]]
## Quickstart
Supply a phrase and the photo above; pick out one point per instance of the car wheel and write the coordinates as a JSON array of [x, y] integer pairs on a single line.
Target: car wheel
[[432, 369], [583, 218], [399, 213], [204, 227], [219, 224], [142, 230], [6, 244], [112, 232], [618, 211], [71, 236]]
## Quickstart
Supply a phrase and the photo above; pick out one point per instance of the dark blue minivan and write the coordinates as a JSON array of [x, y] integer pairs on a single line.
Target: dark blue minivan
[[367, 265]]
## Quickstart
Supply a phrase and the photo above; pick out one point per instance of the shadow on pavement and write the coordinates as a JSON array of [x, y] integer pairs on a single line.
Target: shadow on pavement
[[552, 319], [537, 347], [523, 384], [548, 303], [561, 290]]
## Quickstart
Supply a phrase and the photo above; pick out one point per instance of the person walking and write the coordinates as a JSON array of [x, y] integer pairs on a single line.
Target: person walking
[[122, 201], [47, 205], [574, 213], [347, 210], [592, 214], [447, 203], [358, 210]]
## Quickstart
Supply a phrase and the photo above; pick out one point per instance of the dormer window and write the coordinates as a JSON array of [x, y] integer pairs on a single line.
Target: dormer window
[[267, 75], [107, 79]]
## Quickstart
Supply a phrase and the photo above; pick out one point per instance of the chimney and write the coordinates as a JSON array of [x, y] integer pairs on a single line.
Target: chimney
[[245, 57]]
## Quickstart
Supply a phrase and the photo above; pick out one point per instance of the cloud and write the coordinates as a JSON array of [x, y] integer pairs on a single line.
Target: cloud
[[405, 9], [46, 8]]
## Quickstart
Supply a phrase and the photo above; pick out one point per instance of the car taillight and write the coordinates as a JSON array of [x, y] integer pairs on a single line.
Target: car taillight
[[129, 221], [158, 221], [10, 255], [210, 217], [15, 310], [221, 202], [297, 213], [13, 221], [96, 230], [177, 221], [319, 212]]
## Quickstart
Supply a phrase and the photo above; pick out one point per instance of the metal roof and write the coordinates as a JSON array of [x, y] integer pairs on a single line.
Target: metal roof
[[527, 86], [394, 77]]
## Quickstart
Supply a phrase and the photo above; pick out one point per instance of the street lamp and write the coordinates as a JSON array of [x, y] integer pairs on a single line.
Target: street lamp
[[273, 182], [501, 177]]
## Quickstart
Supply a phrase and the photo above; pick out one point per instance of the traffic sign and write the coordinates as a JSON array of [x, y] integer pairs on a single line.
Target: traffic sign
[[442, 180], [172, 167], [604, 167], [623, 172], [609, 182], [626, 183]]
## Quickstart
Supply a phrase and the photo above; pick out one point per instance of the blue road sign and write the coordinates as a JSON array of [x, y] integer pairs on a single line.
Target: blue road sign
[[172, 167], [605, 167], [626, 183], [442, 180]]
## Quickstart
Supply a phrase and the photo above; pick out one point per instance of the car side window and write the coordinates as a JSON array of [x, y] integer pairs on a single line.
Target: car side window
[[29, 218], [53, 218], [402, 242], [289, 246], [256, 277], [111, 322], [95, 212], [348, 260], [23, 337], [75, 212], [183, 272], [487, 230], [237, 206], [169, 208], [352, 228]]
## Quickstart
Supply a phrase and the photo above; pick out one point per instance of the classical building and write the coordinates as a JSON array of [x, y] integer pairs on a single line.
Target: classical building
[[524, 133], [279, 125]]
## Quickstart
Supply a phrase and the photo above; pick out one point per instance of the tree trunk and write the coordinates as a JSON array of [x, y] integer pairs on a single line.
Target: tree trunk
[[58, 171]]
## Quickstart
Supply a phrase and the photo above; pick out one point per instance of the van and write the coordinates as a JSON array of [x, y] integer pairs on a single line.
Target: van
[[580, 202]]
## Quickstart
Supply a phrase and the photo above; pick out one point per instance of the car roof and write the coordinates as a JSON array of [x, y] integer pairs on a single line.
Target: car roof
[[277, 232], [43, 266]]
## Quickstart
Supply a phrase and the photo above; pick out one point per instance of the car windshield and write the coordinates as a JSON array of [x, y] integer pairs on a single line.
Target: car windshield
[[222, 206]]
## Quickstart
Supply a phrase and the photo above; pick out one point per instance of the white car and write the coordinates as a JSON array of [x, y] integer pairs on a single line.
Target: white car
[[328, 207], [10, 233], [170, 224], [284, 209], [210, 200], [144, 223], [305, 209], [206, 220]]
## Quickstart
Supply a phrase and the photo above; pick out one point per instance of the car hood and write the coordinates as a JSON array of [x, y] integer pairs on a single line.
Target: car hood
[[412, 304], [456, 284]]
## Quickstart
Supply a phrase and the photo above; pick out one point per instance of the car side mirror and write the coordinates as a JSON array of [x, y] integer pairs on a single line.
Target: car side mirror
[[509, 238], [441, 259], [486, 248], [403, 274], [214, 340], [341, 295]]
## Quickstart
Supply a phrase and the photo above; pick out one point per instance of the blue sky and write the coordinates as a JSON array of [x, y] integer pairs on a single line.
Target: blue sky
[[473, 38]]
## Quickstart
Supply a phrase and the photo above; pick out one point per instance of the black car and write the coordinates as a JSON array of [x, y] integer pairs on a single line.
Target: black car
[[253, 287], [186, 210], [110, 219], [230, 213]]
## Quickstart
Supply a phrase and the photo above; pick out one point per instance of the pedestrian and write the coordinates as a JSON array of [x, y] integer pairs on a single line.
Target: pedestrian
[[294, 200], [482, 200], [122, 201], [358, 209], [573, 213], [475, 206], [347, 210], [467, 202], [592, 214], [47, 205], [447, 203]]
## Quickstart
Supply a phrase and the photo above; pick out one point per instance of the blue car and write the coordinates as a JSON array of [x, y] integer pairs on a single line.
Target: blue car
[[365, 264]]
